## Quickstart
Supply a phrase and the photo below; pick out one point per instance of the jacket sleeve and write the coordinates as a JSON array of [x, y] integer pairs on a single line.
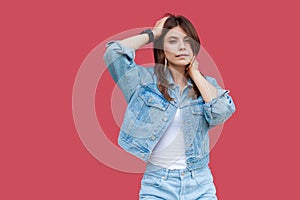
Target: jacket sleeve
[[121, 66], [220, 108]]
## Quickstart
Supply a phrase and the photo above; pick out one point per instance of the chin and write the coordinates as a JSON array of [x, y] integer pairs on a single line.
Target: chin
[[182, 63]]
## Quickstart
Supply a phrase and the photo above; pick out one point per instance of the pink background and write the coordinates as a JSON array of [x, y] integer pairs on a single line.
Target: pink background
[[255, 45]]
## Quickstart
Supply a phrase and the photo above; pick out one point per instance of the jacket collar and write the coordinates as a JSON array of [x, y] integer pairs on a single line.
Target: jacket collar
[[171, 80]]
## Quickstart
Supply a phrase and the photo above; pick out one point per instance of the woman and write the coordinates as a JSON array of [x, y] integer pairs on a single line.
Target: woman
[[171, 107]]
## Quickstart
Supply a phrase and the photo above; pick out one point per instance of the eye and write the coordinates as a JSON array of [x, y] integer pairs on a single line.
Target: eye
[[172, 41], [187, 40]]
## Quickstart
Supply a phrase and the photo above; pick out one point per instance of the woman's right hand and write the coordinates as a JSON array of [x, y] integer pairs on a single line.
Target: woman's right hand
[[136, 41], [157, 30]]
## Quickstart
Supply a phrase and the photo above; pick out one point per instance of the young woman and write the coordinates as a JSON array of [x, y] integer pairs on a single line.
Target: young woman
[[171, 108]]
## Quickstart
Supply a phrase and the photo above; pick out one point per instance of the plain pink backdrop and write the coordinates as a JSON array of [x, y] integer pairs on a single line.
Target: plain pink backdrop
[[255, 45]]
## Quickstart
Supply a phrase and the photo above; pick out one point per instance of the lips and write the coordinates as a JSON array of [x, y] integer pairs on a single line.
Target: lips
[[182, 55]]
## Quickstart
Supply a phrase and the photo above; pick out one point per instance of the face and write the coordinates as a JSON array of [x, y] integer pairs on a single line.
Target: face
[[177, 47]]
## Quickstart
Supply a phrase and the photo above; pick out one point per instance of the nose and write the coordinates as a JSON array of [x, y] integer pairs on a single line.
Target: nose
[[182, 45]]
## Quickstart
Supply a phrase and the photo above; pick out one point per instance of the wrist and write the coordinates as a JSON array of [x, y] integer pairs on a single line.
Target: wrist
[[150, 34], [154, 34], [191, 68], [193, 71]]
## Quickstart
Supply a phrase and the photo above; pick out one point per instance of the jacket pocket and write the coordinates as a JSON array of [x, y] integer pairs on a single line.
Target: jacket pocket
[[143, 114], [148, 107], [151, 180], [154, 100]]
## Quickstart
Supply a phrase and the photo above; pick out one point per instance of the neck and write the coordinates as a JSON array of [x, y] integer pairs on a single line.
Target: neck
[[178, 74]]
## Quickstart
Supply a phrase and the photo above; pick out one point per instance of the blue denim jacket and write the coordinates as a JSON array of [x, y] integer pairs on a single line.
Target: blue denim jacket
[[148, 113]]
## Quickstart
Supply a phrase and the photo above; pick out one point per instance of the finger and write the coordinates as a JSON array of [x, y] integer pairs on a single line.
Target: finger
[[162, 20], [193, 59]]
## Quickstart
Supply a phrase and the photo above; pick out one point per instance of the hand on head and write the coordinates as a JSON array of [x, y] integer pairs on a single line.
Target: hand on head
[[157, 30]]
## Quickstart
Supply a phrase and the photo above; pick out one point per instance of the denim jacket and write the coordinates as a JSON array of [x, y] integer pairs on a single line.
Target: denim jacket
[[149, 114]]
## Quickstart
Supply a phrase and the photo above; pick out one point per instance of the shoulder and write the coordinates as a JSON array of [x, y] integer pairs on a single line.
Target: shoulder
[[147, 74]]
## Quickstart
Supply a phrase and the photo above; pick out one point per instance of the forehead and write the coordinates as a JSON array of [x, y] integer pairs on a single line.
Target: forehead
[[176, 32]]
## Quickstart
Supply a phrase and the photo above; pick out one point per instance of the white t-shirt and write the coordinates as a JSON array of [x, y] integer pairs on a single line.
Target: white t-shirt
[[170, 151]]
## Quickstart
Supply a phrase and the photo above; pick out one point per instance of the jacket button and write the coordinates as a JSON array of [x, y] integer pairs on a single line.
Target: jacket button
[[150, 100], [142, 155], [152, 137], [165, 118]]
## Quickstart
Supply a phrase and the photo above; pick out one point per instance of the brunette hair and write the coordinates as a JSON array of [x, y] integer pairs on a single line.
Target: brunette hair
[[159, 56]]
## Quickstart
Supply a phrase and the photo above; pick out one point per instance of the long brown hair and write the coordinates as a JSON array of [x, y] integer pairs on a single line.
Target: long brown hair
[[159, 55]]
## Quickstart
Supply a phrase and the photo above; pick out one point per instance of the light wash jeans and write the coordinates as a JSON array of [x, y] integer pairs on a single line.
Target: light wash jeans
[[178, 184]]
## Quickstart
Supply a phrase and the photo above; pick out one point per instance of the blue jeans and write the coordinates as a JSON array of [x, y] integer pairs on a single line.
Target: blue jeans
[[178, 184]]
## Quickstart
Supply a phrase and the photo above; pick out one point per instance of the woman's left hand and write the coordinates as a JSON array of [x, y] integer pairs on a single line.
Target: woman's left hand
[[193, 66]]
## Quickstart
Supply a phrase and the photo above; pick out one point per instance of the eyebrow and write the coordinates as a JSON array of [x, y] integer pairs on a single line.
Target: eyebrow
[[175, 37]]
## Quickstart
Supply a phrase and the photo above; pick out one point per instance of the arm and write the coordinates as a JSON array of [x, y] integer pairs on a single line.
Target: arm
[[119, 58], [207, 90], [218, 105], [135, 42], [122, 68]]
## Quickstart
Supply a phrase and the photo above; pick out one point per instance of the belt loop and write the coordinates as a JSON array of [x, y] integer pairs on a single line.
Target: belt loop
[[166, 174], [193, 173]]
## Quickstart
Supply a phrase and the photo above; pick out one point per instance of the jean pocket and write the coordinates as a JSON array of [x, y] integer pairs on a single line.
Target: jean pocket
[[203, 177], [151, 180]]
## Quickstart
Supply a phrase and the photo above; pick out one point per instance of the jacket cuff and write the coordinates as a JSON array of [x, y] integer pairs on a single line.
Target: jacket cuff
[[220, 93], [116, 46]]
